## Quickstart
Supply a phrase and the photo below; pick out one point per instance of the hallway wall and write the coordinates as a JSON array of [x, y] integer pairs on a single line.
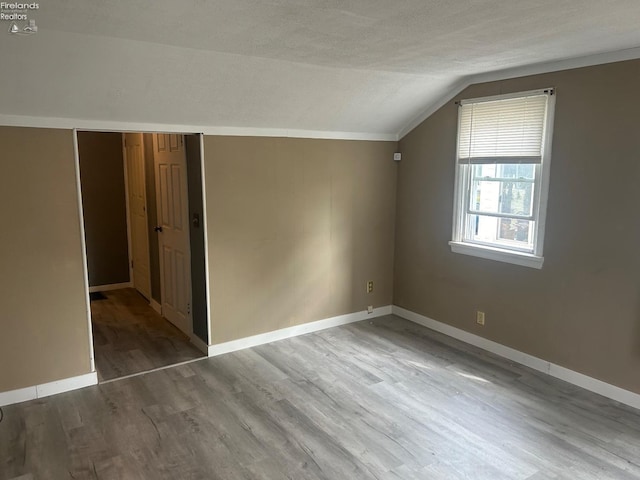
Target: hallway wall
[[104, 206]]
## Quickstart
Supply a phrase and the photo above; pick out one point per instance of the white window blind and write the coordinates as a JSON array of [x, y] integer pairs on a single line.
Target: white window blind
[[507, 130]]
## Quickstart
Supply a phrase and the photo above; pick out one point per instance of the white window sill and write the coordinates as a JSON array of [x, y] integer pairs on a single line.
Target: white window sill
[[498, 254]]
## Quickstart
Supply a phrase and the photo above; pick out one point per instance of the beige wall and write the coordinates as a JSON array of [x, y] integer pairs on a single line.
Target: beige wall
[[43, 310], [104, 207], [582, 310], [297, 226], [295, 229]]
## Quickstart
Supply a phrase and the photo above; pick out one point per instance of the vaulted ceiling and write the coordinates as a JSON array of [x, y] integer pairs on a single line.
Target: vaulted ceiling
[[368, 67]]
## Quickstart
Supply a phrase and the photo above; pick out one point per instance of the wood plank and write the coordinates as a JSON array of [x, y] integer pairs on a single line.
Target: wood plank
[[382, 399]]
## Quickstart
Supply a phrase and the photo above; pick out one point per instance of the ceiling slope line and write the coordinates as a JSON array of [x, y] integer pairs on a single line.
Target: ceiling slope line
[[523, 71], [435, 106]]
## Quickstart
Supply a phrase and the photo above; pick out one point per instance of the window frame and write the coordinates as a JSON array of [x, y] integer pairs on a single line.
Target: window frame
[[463, 185]]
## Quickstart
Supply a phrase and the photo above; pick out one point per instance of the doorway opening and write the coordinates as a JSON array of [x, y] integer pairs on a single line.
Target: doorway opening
[[143, 210]]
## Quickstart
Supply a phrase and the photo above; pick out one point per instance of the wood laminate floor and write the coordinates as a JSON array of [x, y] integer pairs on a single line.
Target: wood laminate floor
[[131, 337], [382, 399]]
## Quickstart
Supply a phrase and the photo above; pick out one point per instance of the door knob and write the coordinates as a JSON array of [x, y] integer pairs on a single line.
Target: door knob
[[158, 229]]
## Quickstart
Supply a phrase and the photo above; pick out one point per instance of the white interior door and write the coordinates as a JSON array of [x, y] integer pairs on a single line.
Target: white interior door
[[173, 229], [137, 204]]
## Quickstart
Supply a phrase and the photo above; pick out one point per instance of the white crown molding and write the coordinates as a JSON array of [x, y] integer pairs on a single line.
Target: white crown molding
[[588, 383], [559, 65], [115, 126], [255, 340], [523, 71]]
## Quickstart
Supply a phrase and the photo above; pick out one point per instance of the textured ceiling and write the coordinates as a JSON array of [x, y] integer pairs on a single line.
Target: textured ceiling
[[365, 66]]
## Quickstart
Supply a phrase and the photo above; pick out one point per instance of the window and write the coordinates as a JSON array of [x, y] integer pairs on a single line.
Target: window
[[502, 176]]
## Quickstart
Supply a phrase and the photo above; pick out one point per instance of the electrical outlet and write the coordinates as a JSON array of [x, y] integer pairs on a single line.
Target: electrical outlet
[[370, 286], [480, 318], [370, 309]]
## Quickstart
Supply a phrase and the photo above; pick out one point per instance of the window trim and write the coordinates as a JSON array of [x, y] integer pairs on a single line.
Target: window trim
[[463, 176]]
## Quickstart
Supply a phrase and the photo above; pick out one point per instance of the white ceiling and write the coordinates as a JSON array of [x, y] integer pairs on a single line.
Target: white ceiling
[[368, 67]]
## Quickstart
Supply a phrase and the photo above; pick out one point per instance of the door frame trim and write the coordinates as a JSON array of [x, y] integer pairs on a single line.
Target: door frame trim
[[205, 230], [83, 242], [76, 154], [127, 207]]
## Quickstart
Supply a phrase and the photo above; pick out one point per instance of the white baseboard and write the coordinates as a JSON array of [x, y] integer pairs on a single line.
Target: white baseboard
[[108, 288], [67, 384], [588, 383], [47, 389], [18, 396], [294, 331], [156, 306]]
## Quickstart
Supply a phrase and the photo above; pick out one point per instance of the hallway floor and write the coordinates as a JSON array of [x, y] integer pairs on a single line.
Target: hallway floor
[[130, 337]]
